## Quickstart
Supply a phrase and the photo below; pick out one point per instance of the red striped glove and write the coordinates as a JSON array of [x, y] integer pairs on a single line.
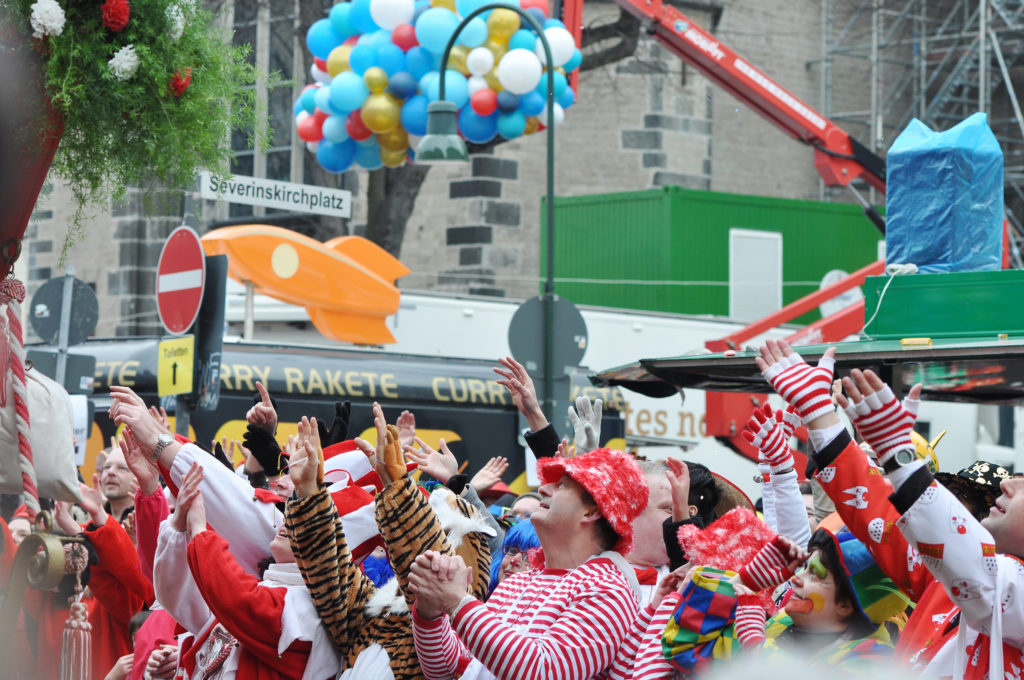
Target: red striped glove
[[750, 621], [768, 568], [884, 422], [808, 389], [770, 432]]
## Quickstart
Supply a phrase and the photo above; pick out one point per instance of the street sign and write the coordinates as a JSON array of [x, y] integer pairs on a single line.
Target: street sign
[[526, 334], [273, 194], [47, 303], [175, 366], [180, 277]]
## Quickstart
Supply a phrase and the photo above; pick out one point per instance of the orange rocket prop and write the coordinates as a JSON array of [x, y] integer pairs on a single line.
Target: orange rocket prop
[[347, 284]]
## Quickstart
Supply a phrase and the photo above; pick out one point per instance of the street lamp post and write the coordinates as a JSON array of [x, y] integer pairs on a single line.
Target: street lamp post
[[443, 144]]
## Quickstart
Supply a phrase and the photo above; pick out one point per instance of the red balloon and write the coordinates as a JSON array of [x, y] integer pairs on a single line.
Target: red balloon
[[310, 129], [349, 41], [405, 37], [320, 63], [542, 5], [320, 115], [484, 101], [355, 127]]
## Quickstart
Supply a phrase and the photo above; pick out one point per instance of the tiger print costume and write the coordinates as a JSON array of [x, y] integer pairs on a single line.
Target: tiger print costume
[[357, 615]]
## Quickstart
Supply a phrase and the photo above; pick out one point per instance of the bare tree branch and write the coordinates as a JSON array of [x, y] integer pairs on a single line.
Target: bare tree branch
[[626, 29]]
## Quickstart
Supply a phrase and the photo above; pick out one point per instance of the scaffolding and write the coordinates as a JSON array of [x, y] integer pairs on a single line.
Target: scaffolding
[[936, 60]]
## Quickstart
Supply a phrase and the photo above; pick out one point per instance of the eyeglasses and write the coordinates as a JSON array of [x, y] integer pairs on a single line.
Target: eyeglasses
[[511, 551]]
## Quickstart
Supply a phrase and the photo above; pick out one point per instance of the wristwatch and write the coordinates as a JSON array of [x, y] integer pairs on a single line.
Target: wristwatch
[[161, 443], [904, 456]]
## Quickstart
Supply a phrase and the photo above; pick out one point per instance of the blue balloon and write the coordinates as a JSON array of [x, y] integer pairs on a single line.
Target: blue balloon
[[475, 128], [567, 99], [348, 91], [321, 38], [391, 58], [532, 103], [368, 157], [334, 129], [370, 141], [435, 27], [341, 21], [308, 99], [574, 61], [511, 125], [402, 85], [361, 58], [323, 99], [524, 39], [414, 115], [552, 23], [456, 88], [361, 18], [298, 106], [560, 84], [538, 14], [507, 102], [380, 38], [421, 6], [464, 7], [418, 61], [336, 156], [411, 153], [474, 33], [429, 80]]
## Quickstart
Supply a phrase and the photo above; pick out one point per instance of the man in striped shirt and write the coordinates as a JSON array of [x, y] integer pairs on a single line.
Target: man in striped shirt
[[564, 619]]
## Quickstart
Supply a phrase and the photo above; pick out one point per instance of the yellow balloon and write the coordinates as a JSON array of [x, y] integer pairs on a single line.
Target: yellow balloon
[[381, 112], [376, 79], [492, 80], [394, 140], [497, 49], [447, 4], [457, 59], [337, 60], [392, 159], [502, 24], [531, 125]]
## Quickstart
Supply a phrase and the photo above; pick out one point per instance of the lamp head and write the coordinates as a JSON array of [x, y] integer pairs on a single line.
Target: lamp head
[[442, 143]]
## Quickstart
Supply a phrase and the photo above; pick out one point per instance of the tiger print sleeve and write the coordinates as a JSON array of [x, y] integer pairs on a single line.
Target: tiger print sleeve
[[338, 588], [409, 527]]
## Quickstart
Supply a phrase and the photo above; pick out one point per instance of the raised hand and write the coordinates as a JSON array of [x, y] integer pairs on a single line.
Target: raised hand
[[162, 663], [160, 416], [883, 421], [141, 465], [261, 443], [339, 427], [93, 500], [128, 409], [305, 459], [406, 424], [439, 583], [62, 516], [772, 565], [263, 413], [769, 433], [565, 450], [669, 584], [808, 389], [188, 491], [524, 394], [586, 422], [678, 475], [122, 668], [441, 465], [490, 474]]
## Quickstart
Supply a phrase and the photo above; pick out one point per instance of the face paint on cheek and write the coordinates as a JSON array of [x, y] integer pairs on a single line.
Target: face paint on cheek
[[817, 602]]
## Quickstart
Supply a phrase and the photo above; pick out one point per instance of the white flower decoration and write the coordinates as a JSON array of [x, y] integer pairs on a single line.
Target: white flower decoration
[[175, 21], [47, 18], [124, 63]]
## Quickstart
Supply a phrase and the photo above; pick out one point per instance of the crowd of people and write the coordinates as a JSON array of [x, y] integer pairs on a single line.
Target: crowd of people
[[326, 557]]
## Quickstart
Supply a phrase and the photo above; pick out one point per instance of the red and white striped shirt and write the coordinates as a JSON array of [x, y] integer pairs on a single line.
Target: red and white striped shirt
[[549, 623], [640, 656]]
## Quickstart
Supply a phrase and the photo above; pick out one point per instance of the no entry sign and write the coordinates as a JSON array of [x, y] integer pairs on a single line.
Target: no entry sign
[[179, 280]]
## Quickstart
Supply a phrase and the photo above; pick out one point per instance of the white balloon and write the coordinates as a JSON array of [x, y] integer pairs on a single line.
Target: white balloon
[[519, 71], [479, 61], [322, 77], [562, 45], [389, 14], [477, 83], [559, 115], [312, 146]]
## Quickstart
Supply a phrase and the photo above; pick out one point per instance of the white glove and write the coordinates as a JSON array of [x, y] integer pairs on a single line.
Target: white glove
[[586, 421]]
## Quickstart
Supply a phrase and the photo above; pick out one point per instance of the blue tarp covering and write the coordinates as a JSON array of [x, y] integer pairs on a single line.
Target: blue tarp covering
[[944, 198]]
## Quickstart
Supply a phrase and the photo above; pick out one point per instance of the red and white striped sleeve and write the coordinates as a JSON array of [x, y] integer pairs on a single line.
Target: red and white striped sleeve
[[579, 643], [651, 663], [626, 655], [750, 622], [437, 647]]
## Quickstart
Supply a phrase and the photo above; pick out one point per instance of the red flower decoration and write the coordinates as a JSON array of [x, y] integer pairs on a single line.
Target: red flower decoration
[[116, 14], [179, 84]]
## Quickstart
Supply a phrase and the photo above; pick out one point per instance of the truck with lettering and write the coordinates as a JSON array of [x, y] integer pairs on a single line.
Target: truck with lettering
[[456, 400]]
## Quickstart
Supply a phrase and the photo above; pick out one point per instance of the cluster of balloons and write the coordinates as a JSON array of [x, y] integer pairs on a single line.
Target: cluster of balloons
[[377, 66]]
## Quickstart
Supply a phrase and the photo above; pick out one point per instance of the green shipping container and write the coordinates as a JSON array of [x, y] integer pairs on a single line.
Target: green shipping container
[[676, 250]]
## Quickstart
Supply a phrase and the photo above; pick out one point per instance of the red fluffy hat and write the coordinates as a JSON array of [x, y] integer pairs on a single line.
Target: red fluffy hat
[[613, 480]]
